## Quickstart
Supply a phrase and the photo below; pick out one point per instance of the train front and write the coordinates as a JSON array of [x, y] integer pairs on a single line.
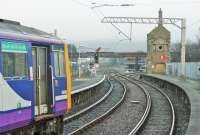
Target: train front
[[35, 81]]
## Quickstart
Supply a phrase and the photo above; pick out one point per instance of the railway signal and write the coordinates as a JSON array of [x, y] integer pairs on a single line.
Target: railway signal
[[96, 56], [163, 57]]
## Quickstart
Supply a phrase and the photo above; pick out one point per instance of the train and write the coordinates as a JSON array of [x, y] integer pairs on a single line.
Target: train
[[35, 80]]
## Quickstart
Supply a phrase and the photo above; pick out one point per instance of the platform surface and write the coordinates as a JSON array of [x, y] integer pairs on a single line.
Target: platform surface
[[195, 84], [192, 89], [86, 82]]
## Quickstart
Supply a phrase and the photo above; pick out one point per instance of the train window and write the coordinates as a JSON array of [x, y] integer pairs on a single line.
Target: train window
[[15, 65], [59, 63], [56, 63]]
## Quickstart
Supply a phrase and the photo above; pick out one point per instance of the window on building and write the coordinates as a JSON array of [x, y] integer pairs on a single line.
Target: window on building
[[15, 65], [160, 48], [59, 63]]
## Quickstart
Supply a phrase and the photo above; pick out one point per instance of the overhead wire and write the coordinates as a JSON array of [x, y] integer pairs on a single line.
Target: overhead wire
[[176, 2], [80, 3], [99, 16], [144, 3], [117, 37], [119, 40], [167, 2]]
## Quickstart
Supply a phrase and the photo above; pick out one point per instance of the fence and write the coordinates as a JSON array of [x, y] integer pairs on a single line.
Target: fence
[[192, 69]]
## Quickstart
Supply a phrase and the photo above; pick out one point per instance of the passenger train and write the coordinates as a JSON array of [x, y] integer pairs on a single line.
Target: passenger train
[[35, 83]]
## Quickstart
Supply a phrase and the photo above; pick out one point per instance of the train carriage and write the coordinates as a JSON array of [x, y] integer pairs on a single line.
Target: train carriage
[[34, 73]]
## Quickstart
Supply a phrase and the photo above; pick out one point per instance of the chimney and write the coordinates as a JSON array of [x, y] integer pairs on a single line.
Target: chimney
[[160, 16]]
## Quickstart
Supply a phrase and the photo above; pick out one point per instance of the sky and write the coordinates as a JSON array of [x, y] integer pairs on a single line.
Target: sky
[[81, 25]]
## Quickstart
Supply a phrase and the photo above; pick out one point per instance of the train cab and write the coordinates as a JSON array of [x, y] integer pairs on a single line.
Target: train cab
[[34, 79]]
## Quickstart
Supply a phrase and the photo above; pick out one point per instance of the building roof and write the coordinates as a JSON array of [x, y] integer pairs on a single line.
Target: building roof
[[159, 32]]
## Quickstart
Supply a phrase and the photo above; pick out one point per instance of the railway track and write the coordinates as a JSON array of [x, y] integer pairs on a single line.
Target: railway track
[[81, 107], [127, 116], [78, 122], [180, 100], [161, 119], [143, 114]]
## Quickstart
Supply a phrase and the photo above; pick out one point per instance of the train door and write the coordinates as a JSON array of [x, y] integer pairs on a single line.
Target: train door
[[40, 75]]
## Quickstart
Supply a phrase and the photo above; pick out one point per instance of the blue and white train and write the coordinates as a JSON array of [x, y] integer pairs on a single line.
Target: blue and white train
[[34, 80]]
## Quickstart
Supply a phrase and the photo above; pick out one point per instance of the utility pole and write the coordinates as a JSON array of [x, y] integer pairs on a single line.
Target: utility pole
[[55, 32], [180, 23], [79, 62], [183, 44]]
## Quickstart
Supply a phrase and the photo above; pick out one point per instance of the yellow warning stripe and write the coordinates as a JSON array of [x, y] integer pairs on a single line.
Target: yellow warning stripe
[[68, 79]]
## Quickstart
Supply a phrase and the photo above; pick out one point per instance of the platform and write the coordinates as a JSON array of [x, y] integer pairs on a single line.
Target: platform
[[192, 89], [83, 84]]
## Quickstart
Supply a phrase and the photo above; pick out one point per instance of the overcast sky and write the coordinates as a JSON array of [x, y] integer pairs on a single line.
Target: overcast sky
[[81, 25]]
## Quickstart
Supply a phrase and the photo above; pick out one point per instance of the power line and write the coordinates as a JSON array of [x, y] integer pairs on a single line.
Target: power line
[[80, 3], [95, 12], [98, 16], [102, 14], [179, 2]]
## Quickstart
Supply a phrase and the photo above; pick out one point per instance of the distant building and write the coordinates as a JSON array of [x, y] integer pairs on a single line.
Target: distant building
[[158, 43]]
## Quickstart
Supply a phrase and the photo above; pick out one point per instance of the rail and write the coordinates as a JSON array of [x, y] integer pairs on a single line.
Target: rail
[[103, 115], [93, 105], [170, 102], [148, 106], [193, 97]]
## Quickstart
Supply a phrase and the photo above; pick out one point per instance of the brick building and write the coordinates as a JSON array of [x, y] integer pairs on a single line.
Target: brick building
[[158, 43]]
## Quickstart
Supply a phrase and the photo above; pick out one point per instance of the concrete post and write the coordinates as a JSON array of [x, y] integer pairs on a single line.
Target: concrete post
[[183, 44]]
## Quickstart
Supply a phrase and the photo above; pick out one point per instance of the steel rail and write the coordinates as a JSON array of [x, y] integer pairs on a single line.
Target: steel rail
[[167, 97], [81, 129], [91, 106], [148, 105]]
